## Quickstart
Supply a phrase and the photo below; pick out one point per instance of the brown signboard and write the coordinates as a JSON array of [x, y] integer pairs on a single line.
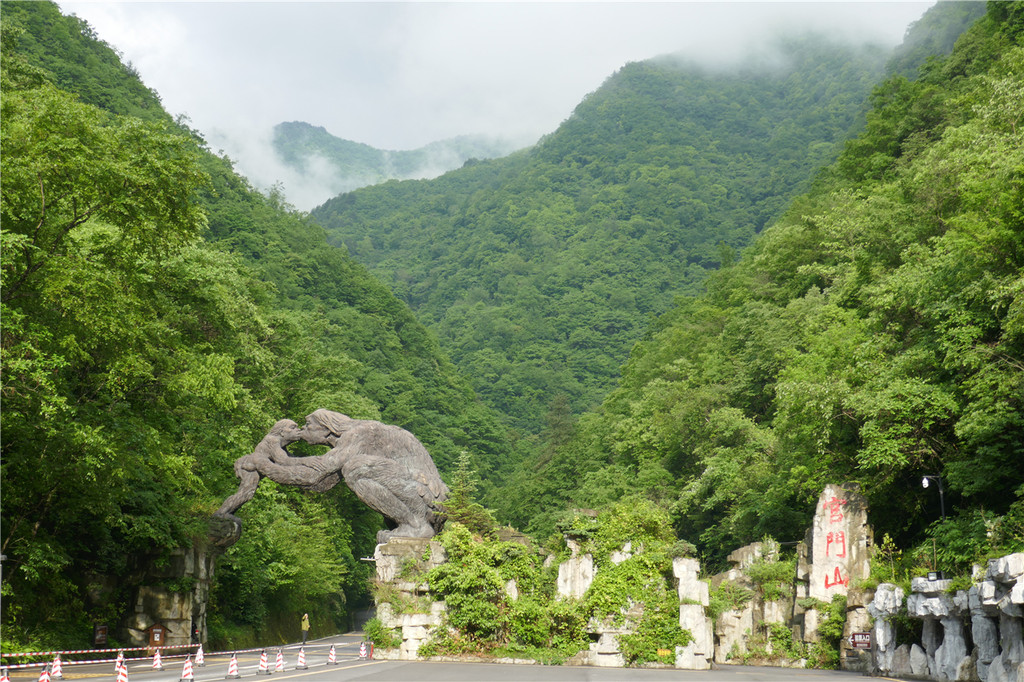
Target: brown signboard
[[860, 640]]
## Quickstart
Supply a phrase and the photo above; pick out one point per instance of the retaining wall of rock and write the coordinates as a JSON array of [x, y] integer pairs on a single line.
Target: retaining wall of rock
[[967, 635]]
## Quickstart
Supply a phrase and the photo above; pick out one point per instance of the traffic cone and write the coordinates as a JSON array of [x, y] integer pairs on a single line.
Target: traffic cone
[[122, 672], [118, 662], [233, 668], [157, 664], [279, 664], [332, 658], [57, 670], [4, 677], [200, 660], [301, 665], [44, 674], [362, 650], [263, 669], [186, 671]]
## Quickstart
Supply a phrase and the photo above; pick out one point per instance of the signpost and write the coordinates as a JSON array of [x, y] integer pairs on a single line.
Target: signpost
[[860, 640]]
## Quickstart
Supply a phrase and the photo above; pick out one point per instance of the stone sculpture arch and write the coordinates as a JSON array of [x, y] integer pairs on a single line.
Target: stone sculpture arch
[[384, 465]]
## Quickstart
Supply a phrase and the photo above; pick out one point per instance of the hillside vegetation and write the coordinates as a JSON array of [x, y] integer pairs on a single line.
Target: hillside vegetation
[[158, 317], [539, 271], [875, 333]]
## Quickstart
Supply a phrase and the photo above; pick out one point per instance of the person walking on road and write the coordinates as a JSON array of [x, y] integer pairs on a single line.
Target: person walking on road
[[305, 627]]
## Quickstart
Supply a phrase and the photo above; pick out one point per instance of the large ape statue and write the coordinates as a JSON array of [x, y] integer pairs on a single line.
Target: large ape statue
[[385, 466]]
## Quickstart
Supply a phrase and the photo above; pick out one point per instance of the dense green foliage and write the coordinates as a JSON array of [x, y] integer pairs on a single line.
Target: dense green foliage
[[934, 34], [345, 165], [635, 587], [875, 333], [540, 271], [158, 316]]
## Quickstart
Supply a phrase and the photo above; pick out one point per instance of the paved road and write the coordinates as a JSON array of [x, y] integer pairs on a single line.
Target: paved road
[[351, 668]]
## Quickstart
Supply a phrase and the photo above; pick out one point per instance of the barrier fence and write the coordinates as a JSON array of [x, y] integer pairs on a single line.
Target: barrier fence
[[50, 655]]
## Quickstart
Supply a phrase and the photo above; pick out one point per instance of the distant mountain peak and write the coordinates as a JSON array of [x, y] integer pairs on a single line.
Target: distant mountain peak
[[341, 165]]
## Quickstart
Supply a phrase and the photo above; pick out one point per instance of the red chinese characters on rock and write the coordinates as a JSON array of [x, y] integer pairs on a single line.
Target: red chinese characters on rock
[[835, 509], [837, 538], [837, 579], [835, 543]]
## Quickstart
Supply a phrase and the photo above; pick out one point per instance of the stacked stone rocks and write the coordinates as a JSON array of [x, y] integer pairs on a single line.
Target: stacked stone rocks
[[415, 627], [990, 612], [177, 611], [693, 598], [996, 607], [576, 574], [733, 628]]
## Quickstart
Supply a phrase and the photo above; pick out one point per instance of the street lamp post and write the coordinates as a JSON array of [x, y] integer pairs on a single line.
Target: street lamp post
[[942, 494], [938, 575]]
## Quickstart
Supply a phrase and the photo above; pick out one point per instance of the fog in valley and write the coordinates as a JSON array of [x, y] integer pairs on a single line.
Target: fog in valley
[[399, 76]]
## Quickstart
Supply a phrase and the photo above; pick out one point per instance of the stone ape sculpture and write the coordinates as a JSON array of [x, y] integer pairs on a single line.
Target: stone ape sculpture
[[385, 466]]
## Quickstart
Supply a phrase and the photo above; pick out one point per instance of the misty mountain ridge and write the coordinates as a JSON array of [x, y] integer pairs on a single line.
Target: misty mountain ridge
[[339, 165]]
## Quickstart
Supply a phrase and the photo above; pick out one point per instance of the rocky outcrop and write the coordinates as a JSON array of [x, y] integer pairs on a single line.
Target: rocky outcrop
[[175, 596], [401, 563], [884, 608], [693, 599], [973, 634], [576, 573]]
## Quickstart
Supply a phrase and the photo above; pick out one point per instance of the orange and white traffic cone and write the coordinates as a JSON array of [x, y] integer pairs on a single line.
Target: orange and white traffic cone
[[4, 677], [301, 665], [263, 669], [118, 662], [157, 663], [122, 672], [233, 668], [186, 671], [279, 663], [44, 674], [57, 669], [200, 659], [332, 658]]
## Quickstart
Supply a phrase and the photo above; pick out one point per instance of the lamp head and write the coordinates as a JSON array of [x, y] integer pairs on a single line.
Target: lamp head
[[924, 482]]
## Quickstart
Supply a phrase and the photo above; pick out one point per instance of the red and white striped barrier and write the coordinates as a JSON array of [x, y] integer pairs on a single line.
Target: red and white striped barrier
[[65, 652], [122, 660], [120, 655]]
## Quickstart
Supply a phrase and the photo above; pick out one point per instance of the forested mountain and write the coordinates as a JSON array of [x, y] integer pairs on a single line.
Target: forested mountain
[[875, 333], [158, 317], [343, 165], [539, 271]]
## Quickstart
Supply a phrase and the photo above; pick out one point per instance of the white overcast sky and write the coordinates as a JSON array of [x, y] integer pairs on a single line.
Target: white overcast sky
[[397, 75]]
